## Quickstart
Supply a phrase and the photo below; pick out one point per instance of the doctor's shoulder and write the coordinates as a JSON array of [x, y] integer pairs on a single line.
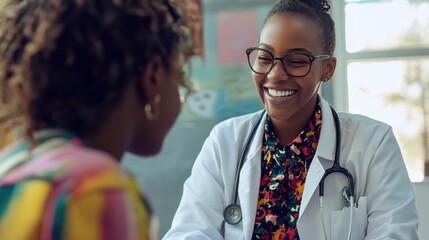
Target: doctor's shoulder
[[365, 133], [351, 122]]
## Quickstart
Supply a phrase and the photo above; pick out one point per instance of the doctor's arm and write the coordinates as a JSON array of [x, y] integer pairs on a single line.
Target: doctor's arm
[[200, 212], [391, 209]]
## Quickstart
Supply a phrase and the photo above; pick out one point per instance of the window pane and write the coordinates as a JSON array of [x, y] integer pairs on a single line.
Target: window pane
[[395, 92], [384, 25]]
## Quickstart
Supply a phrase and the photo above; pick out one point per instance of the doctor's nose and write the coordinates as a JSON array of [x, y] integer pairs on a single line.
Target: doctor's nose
[[278, 71]]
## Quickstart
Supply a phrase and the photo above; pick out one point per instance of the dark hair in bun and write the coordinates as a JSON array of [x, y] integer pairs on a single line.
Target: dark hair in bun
[[314, 9]]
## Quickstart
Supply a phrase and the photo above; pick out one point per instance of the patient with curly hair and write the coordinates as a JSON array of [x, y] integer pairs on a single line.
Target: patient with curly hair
[[87, 80]]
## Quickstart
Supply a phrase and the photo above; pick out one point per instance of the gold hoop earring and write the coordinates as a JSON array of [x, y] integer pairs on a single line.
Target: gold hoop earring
[[152, 111]]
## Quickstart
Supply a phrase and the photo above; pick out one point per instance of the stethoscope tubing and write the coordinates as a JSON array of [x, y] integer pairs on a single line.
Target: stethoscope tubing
[[336, 167], [244, 153], [232, 213]]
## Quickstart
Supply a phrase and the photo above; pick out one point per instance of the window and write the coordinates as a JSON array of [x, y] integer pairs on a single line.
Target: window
[[383, 56]]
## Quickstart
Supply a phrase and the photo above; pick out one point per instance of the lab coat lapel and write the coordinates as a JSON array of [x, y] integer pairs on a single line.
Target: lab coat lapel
[[248, 192], [250, 176], [315, 174], [325, 151]]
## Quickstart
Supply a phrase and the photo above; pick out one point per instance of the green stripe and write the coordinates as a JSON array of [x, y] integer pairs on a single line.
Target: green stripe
[[25, 144], [59, 218], [19, 156], [6, 193], [21, 147]]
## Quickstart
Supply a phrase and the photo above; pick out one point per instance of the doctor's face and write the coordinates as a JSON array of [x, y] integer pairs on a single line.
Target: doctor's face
[[291, 96]]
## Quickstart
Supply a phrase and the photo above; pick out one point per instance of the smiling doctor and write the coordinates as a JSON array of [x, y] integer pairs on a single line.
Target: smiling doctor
[[297, 170]]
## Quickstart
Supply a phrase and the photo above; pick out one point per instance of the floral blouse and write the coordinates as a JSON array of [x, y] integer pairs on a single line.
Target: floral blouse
[[284, 170]]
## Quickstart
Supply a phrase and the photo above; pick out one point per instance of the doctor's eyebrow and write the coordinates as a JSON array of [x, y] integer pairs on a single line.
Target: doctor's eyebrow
[[293, 50], [266, 46]]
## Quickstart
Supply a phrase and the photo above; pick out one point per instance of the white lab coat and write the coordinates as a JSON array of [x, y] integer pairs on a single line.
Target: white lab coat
[[386, 198]]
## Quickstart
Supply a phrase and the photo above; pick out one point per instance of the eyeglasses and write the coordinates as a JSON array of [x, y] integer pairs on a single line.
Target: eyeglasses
[[262, 61]]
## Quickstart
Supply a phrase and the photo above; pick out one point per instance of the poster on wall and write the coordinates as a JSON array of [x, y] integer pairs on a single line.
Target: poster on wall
[[223, 79], [236, 31]]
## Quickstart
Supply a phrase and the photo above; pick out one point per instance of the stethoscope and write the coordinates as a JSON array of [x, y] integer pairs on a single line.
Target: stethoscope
[[233, 213]]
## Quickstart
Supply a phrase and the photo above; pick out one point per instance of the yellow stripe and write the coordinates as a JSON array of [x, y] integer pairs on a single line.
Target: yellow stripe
[[143, 220], [106, 179], [83, 217], [22, 219], [111, 180]]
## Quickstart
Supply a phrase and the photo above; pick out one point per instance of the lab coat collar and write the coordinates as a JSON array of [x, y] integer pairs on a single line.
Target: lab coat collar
[[325, 151], [252, 169], [250, 189], [255, 145], [326, 146]]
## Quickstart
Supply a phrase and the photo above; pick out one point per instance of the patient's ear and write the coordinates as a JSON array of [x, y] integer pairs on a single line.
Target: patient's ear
[[150, 80]]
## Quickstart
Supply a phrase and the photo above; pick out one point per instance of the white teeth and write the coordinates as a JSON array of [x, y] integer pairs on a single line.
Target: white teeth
[[276, 93]]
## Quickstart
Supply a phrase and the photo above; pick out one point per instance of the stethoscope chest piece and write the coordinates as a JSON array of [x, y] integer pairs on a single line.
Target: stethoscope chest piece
[[232, 214]]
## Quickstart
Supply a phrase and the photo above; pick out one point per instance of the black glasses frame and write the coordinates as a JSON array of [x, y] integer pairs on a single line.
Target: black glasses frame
[[311, 57]]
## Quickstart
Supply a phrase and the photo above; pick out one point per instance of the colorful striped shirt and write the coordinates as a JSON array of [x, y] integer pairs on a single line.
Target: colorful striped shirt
[[64, 190]]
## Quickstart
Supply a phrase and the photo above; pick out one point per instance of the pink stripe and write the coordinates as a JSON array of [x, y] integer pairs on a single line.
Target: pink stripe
[[72, 165], [115, 223], [46, 162], [6, 150], [83, 164], [67, 162]]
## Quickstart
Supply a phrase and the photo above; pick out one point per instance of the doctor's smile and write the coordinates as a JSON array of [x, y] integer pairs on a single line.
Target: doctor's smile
[[275, 93], [278, 97]]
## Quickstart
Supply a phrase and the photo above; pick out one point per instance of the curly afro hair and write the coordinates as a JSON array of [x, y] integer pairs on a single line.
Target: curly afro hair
[[66, 63]]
